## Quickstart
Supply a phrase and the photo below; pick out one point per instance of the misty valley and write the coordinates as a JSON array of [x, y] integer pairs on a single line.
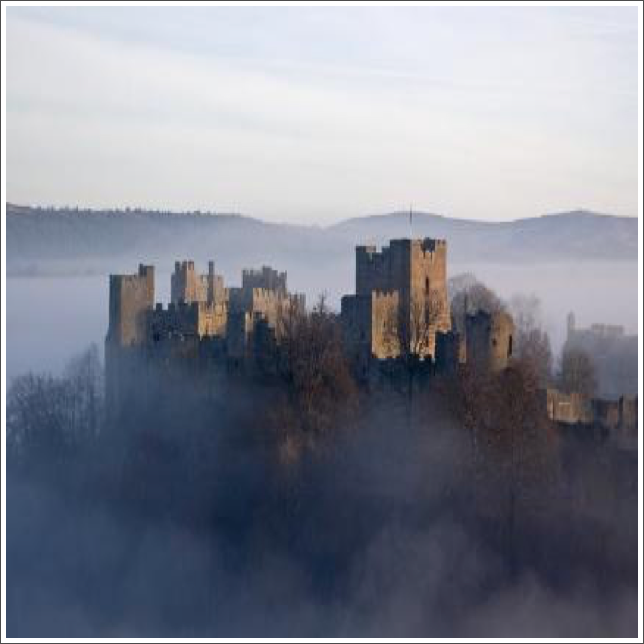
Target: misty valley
[[190, 457], [321, 321]]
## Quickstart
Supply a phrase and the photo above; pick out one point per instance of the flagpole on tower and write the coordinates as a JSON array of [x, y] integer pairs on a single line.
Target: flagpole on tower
[[410, 222]]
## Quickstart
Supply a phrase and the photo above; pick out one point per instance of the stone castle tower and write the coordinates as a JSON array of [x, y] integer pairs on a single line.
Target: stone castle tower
[[131, 296], [570, 325], [489, 340], [415, 270], [205, 322], [186, 285], [131, 299]]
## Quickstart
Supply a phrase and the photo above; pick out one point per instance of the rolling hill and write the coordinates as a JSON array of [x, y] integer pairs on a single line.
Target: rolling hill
[[61, 240]]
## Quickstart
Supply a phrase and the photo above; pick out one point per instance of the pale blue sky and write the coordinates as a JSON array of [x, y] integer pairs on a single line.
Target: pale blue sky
[[311, 115]]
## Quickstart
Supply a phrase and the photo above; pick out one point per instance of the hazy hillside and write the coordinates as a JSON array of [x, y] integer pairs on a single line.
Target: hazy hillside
[[565, 236], [41, 240], [572, 261]]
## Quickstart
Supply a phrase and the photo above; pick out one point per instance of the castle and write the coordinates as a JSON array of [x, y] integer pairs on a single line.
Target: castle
[[205, 326], [400, 310], [613, 409], [399, 315]]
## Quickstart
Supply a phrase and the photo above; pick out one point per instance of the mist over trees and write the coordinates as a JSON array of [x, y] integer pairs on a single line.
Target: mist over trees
[[576, 372], [305, 505]]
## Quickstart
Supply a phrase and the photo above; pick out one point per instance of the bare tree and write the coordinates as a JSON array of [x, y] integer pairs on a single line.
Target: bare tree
[[512, 457], [468, 295], [577, 372], [47, 417], [532, 344], [319, 387], [410, 334], [526, 312], [85, 375], [37, 418]]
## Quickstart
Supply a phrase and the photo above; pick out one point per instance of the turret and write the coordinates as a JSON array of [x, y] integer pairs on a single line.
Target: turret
[[571, 324]]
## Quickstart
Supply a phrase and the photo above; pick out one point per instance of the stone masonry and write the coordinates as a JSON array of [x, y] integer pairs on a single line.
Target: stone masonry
[[414, 270]]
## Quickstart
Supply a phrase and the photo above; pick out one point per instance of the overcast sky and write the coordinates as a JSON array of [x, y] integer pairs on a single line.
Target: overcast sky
[[311, 115]]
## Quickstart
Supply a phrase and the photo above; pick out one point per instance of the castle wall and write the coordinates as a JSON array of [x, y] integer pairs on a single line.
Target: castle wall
[[265, 278], [449, 352], [188, 286], [198, 319], [429, 279], [355, 312], [185, 284], [628, 412], [130, 300], [356, 319], [384, 312], [489, 340], [569, 409], [612, 419], [267, 304], [373, 270], [606, 413], [613, 353], [370, 328], [239, 335], [417, 269], [130, 297], [180, 356]]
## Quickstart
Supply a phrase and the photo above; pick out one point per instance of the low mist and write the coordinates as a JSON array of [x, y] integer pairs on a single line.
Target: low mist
[[185, 516], [50, 318]]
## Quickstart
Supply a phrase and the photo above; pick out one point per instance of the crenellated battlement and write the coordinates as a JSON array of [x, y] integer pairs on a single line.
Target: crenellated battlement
[[186, 284], [416, 271], [430, 249], [130, 297], [264, 278], [384, 296]]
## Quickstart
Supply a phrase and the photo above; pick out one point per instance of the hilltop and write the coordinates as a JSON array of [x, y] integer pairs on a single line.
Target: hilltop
[[41, 240]]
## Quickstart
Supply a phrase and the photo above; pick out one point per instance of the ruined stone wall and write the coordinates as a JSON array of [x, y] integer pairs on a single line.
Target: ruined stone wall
[[628, 412], [615, 415], [489, 340], [613, 354], [615, 420], [569, 409], [606, 413]]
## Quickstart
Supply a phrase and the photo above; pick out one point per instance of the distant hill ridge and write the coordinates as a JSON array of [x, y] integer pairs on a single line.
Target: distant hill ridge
[[39, 236]]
